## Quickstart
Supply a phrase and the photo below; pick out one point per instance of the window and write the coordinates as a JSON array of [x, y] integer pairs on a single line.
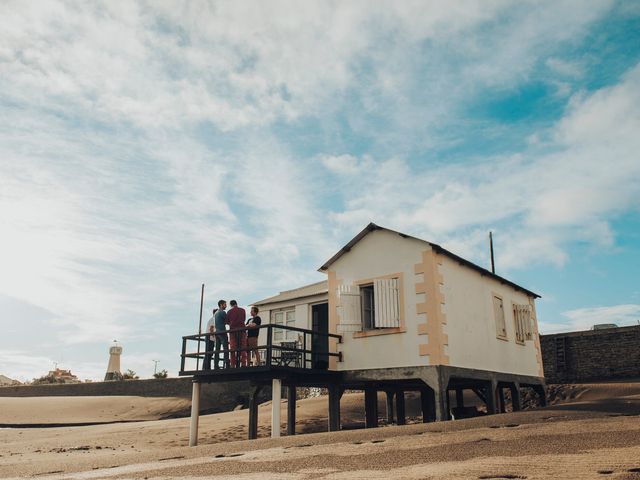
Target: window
[[522, 321], [369, 307], [288, 319], [498, 311]]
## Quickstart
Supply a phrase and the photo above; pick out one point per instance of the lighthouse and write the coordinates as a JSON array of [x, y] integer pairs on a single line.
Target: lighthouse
[[113, 370]]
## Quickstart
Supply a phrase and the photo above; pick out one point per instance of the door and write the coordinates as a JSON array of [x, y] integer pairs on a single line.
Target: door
[[320, 343]]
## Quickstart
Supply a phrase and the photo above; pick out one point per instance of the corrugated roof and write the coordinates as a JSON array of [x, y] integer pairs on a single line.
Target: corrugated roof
[[373, 227], [317, 288]]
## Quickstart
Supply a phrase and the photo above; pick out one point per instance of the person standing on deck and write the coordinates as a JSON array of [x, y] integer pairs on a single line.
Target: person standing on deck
[[222, 339], [209, 341], [238, 340], [252, 335]]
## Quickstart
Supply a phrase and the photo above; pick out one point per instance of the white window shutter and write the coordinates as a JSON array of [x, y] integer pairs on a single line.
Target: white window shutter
[[349, 309], [523, 322], [387, 303]]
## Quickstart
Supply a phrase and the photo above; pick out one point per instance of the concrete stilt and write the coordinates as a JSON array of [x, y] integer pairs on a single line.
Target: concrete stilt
[[291, 410], [502, 406], [542, 394], [389, 396], [490, 397], [402, 418], [371, 407], [253, 413], [428, 404], [515, 396], [335, 393], [276, 394], [441, 404], [195, 414]]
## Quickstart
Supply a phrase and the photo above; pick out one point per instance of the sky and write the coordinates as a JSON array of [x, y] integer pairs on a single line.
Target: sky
[[149, 147]]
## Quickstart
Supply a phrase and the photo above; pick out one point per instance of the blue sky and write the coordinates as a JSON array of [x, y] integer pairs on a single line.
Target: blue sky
[[147, 147]]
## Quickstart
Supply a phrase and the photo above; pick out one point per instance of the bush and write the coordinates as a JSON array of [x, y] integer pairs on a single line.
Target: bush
[[130, 375], [161, 374]]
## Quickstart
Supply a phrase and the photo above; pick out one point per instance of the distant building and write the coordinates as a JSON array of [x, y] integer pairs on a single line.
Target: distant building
[[8, 382], [63, 376]]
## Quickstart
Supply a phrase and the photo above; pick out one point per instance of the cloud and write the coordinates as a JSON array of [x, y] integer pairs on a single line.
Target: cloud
[[149, 147], [585, 318]]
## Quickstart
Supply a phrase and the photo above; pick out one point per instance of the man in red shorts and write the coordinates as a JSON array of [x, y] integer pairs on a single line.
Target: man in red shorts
[[237, 340]]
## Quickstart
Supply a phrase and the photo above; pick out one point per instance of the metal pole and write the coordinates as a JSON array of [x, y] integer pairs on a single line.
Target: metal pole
[[195, 414], [200, 328], [493, 263]]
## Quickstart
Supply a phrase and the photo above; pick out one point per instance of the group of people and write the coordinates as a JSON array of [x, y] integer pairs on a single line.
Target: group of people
[[242, 343]]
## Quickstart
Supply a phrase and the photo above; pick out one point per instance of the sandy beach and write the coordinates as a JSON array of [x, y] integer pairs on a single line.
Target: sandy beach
[[593, 432]]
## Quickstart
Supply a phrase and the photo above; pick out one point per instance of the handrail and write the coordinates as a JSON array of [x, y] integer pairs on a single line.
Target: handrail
[[302, 353], [270, 325]]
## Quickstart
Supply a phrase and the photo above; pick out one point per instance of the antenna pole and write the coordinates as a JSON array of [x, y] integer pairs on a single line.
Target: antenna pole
[[200, 326], [493, 263]]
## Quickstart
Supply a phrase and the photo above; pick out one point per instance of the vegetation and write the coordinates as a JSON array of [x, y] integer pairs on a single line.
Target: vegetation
[[161, 374], [130, 375]]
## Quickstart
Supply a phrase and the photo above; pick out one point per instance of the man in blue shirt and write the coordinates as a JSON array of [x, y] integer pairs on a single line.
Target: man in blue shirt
[[222, 338]]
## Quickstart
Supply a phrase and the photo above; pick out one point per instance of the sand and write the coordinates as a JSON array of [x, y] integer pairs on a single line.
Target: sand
[[593, 433]]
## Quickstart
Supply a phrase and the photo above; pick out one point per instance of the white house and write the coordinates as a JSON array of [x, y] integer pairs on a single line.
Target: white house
[[408, 308]]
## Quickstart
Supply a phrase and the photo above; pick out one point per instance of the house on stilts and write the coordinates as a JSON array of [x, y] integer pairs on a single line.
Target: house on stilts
[[395, 314]]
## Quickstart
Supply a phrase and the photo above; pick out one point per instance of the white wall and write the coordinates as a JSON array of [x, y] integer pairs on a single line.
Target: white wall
[[471, 322], [377, 254]]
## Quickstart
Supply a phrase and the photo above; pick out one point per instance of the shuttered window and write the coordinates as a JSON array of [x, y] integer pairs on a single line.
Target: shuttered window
[[349, 309], [386, 303], [369, 307], [498, 311], [522, 321]]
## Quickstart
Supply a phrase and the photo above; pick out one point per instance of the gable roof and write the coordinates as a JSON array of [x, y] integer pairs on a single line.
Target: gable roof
[[311, 290], [372, 227]]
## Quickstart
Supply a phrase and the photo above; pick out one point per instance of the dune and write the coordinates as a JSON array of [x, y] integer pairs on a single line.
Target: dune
[[78, 410], [594, 432]]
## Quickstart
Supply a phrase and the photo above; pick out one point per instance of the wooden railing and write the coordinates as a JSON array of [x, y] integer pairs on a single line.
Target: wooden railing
[[278, 346]]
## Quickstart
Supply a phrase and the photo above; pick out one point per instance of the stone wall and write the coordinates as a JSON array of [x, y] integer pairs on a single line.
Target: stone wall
[[592, 355], [215, 397]]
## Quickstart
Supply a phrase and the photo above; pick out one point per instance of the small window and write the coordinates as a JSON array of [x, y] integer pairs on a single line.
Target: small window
[[284, 318], [522, 323], [498, 311]]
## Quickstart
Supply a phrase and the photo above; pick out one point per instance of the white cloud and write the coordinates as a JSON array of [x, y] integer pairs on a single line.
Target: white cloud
[[585, 318]]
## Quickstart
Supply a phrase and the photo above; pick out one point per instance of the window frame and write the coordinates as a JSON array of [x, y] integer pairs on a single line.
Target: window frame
[[401, 306], [281, 335], [499, 336]]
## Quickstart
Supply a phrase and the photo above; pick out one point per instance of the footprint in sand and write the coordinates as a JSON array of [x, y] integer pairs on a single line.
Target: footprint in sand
[[605, 472], [500, 475]]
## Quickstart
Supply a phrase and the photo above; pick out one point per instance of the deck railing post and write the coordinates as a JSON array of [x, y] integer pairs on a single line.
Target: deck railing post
[[269, 344], [184, 350]]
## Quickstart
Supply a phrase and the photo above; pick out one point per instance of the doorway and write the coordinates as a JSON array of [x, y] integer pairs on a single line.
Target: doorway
[[320, 343]]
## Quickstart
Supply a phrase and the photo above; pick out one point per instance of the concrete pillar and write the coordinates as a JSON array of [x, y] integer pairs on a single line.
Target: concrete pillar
[[276, 393], [490, 397], [441, 395], [428, 404], [516, 402], [195, 414], [542, 394], [291, 410], [502, 407], [371, 407], [459, 397], [335, 393], [253, 413], [402, 418], [390, 416]]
